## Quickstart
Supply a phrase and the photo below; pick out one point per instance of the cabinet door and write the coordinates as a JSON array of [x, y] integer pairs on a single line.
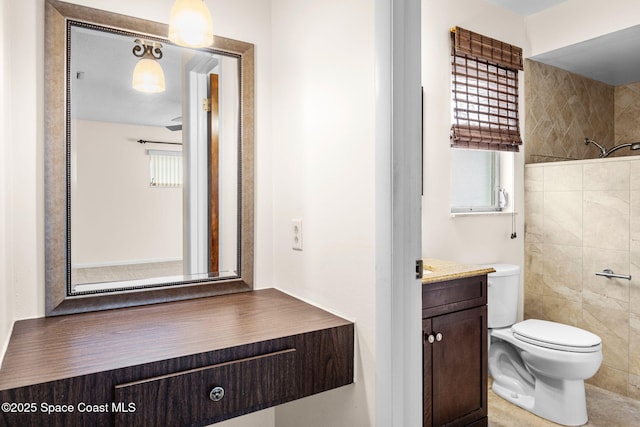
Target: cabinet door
[[459, 358], [427, 377]]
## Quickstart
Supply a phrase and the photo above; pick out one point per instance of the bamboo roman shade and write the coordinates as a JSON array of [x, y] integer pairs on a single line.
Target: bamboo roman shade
[[485, 92]]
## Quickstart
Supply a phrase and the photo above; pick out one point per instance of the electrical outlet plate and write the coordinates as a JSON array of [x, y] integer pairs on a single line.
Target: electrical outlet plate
[[296, 234]]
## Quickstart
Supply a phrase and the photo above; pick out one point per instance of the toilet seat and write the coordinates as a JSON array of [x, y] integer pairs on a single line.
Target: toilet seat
[[556, 336]]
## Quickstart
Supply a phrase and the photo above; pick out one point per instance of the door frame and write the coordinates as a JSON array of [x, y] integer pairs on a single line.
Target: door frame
[[398, 212]]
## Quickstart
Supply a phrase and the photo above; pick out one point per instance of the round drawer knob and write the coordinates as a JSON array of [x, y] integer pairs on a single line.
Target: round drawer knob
[[216, 394], [438, 337]]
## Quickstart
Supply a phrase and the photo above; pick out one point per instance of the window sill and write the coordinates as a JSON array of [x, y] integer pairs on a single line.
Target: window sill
[[476, 214]]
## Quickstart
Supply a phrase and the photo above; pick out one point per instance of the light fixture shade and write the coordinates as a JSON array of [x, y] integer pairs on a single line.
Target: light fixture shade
[[148, 76], [190, 24]]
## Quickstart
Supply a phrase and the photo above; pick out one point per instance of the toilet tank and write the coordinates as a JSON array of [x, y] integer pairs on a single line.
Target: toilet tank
[[502, 295]]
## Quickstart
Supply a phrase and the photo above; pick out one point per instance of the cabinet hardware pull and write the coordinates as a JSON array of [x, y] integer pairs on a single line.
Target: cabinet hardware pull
[[216, 394], [438, 337], [429, 338]]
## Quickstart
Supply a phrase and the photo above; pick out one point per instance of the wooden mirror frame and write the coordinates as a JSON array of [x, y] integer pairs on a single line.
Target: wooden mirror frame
[[58, 300]]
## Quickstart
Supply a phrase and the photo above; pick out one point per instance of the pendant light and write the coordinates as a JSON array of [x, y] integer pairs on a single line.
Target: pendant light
[[148, 75], [190, 24]]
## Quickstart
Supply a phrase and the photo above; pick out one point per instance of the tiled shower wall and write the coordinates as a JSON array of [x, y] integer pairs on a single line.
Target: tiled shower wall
[[580, 218], [563, 108], [627, 114]]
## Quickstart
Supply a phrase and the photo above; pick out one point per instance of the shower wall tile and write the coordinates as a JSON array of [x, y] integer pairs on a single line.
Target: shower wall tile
[[634, 244], [565, 177], [608, 378], [561, 110], [603, 288], [561, 310], [606, 219], [627, 113], [634, 171], [634, 292], [634, 345], [533, 179], [590, 221], [606, 176], [612, 326], [634, 284], [533, 276], [634, 386], [562, 272], [533, 306], [563, 217], [534, 268], [534, 223]]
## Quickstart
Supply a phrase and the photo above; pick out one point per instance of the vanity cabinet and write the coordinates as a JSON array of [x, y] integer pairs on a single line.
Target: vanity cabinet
[[191, 363], [454, 326]]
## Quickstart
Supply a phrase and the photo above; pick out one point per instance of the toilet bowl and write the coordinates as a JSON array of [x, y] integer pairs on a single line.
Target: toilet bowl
[[536, 364]]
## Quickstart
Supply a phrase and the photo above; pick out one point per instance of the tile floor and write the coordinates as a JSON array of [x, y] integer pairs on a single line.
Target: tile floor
[[605, 409]]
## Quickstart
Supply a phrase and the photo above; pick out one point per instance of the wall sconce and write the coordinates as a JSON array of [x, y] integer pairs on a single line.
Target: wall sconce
[[190, 24], [148, 75]]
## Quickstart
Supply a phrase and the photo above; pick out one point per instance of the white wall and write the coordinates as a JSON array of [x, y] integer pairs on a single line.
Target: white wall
[[323, 165], [322, 169], [22, 182], [117, 217], [23, 136], [578, 20], [477, 239], [243, 20], [6, 306]]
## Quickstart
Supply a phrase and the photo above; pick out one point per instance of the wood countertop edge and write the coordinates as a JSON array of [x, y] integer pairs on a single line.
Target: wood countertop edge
[[55, 348]]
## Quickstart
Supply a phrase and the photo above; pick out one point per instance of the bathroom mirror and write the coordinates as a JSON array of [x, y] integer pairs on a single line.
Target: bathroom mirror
[[149, 196]]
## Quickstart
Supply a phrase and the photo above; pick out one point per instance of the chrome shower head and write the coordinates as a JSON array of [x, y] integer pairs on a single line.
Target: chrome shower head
[[603, 152]]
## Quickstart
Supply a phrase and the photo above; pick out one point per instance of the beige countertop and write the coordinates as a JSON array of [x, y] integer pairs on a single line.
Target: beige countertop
[[439, 270]]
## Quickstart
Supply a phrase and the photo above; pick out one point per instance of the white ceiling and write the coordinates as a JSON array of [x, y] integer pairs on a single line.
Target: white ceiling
[[604, 58], [104, 92], [526, 7]]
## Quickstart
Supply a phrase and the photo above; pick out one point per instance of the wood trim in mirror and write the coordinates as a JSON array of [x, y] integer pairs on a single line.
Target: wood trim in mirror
[[57, 188]]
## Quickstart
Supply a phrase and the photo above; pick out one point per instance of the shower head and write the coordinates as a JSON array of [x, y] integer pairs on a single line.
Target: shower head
[[604, 153]]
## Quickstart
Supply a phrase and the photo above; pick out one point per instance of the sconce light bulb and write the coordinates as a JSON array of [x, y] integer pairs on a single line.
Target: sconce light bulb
[[148, 76], [190, 24]]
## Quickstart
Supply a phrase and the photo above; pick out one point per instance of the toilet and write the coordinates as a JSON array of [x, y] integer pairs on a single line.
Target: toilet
[[536, 364]]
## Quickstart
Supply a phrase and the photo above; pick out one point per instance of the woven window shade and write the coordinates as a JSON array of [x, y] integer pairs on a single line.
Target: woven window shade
[[485, 92]]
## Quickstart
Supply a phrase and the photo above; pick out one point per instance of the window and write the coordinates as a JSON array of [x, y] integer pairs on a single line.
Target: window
[[165, 168], [475, 180], [485, 124], [481, 181], [484, 87]]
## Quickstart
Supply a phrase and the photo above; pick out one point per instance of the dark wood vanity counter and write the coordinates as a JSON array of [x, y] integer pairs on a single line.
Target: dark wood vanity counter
[[296, 350]]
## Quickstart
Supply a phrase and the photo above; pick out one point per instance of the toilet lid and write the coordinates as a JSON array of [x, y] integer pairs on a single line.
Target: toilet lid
[[556, 336]]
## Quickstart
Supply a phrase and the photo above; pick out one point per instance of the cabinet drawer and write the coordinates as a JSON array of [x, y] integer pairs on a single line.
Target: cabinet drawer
[[453, 295], [183, 398]]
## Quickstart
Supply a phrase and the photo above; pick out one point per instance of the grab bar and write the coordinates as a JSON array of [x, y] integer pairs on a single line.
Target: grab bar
[[607, 272]]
